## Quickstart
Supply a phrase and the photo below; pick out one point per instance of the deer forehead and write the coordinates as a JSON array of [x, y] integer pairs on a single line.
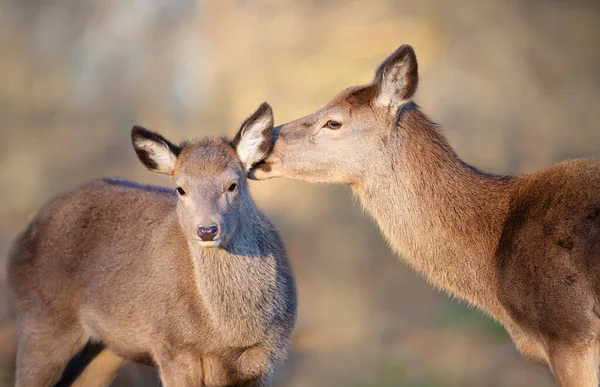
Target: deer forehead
[[350, 100], [205, 160]]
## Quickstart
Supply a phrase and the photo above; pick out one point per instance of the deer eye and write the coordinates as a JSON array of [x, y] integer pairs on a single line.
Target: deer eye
[[180, 191], [332, 124], [232, 187]]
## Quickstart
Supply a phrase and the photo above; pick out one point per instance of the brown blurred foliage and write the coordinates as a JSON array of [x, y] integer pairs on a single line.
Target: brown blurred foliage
[[515, 84]]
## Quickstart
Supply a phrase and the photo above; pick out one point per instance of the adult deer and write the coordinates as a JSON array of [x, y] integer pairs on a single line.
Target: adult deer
[[195, 280], [525, 249]]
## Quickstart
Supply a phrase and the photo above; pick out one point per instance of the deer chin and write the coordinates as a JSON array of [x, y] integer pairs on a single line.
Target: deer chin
[[210, 244]]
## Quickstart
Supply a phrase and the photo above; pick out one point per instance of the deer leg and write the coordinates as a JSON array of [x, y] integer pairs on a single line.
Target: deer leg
[[179, 369], [43, 352], [574, 365], [531, 348], [101, 371]]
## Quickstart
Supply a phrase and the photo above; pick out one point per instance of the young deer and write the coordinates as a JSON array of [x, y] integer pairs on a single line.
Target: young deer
[[525, 249], [195, 281]]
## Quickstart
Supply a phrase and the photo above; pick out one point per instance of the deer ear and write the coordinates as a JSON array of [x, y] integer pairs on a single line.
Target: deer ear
[[255, 137], [154, 151], [397, 78]]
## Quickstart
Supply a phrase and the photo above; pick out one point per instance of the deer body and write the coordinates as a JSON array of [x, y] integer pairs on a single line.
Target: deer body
[[481, 238], [525, 249], [115, 262]]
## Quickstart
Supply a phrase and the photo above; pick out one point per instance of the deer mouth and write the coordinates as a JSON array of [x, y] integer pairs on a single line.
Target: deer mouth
[[210, 244], [262, 171]]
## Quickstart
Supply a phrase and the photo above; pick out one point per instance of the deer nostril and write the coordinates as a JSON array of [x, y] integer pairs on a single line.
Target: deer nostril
[[208, 233]]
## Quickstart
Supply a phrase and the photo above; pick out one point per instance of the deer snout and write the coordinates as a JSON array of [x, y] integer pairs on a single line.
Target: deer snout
[[266, 169], [208, 233]]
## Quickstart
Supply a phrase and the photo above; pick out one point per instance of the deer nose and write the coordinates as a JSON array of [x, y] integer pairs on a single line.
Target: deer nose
[[208, 233]]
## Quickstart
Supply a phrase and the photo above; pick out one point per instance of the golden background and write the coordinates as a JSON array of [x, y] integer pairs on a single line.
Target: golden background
[[516, 86]]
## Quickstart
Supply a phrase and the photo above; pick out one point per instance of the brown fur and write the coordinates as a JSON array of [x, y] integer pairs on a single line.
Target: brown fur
[[525, 249], [120, 263]]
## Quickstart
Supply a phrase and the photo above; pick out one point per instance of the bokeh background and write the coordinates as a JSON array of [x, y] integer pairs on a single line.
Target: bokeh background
[[516, 86]]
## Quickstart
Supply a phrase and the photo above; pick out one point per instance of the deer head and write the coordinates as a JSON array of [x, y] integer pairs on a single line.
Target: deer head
[[210, 175], [337, 143]]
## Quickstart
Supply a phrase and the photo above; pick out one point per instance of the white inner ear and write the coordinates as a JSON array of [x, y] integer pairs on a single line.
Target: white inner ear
[[249, 149], [159, 153], [392, 85]]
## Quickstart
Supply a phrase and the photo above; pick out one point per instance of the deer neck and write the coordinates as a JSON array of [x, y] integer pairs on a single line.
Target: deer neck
[[442, 216], [235, 282]]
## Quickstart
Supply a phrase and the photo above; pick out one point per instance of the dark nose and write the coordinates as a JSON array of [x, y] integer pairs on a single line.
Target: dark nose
[[208, 233]]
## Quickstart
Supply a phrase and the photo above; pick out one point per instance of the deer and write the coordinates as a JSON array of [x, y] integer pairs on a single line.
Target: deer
[[194, 280], [524, 249]]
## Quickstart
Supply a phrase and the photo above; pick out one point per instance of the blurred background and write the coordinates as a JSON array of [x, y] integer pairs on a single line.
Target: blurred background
[[515, 85]]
